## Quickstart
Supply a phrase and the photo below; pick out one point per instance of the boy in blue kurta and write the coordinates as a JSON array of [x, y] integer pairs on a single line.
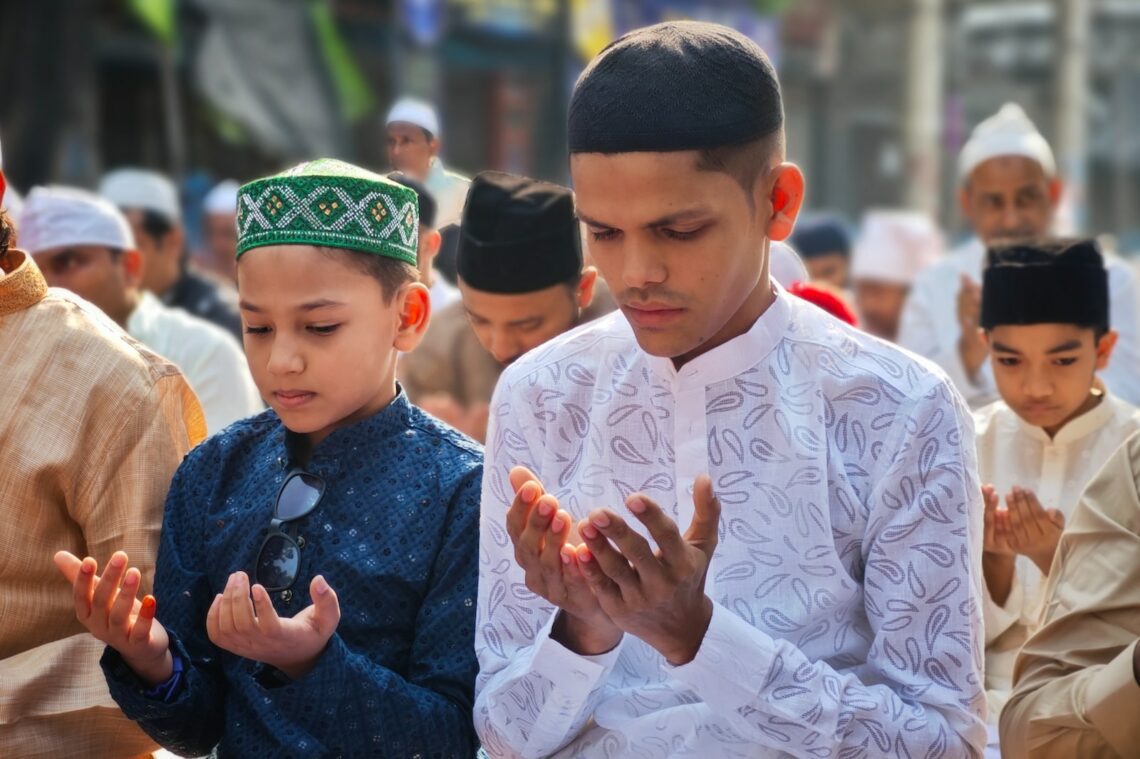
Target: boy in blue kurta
[[316, 576]]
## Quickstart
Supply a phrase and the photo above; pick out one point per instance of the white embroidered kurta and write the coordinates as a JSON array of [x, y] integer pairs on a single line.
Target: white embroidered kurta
[[208, 356], [846, 584], [930, 328], [450, 192], [1012, 452]]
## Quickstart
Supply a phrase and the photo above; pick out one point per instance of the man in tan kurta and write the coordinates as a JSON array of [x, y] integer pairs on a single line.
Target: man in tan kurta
[[1077, 680], [522, 282], [92, 427]]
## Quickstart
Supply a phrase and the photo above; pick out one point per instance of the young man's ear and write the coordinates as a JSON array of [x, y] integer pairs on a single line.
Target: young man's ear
[[1104, 348], [784, 200], [432, 240], [1056, 190], [586, 287], [414, 306], [173, 242]]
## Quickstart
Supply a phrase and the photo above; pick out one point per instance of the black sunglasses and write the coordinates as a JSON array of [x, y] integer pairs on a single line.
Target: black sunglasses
[[280, 555]]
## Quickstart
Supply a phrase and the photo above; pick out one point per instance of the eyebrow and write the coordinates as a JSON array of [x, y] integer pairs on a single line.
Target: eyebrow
[[689, 214], [313, 305], [1065, 347]]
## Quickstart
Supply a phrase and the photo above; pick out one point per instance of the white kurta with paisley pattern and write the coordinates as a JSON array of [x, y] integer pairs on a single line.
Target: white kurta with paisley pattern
[[846, 584]]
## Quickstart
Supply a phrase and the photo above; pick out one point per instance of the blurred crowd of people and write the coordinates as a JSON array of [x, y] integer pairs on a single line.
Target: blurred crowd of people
[[908, 470]]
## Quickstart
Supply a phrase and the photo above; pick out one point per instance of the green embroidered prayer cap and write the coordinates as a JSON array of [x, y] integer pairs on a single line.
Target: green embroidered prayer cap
[[333, 204]]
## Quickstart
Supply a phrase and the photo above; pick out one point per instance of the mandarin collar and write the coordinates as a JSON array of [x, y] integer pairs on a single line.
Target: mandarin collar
[[22, 285]]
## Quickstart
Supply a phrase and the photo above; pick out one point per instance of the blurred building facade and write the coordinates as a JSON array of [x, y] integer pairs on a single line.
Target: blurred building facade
[[211, 88]]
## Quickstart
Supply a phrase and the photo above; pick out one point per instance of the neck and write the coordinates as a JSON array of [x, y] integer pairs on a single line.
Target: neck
[[754, 306], [130, 305]]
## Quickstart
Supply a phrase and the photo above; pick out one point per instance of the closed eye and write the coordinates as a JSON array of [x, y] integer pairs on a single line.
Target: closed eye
[[674, 234], [323, 329], [604, 235], [257, 330]]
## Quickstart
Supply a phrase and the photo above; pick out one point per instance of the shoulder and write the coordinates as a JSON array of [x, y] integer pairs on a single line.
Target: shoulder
[[448, 445], [184, 334], [844, 358], [236, 445], [990, 419], [943, 273]]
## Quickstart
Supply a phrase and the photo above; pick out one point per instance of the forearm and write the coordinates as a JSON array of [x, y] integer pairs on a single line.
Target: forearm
[[998, 570]]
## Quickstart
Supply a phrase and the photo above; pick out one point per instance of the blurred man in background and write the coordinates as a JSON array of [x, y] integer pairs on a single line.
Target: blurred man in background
[[82, 243], [92, 427], [150, 202], [442, 292], [825, 247], [892, 248], [413, 134], [219, 230], [1009, 190]]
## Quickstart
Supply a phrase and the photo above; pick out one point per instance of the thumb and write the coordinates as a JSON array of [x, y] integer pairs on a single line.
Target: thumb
[[326, 606], [703, 530], [68, 564], [1057, 517]]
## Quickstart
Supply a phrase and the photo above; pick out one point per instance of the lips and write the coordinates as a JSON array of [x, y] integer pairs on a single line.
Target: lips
[[651, 315], [292, 398]]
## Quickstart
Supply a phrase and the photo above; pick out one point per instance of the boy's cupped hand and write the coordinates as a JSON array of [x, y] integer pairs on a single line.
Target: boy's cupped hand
[[108, 606], [242, 620]]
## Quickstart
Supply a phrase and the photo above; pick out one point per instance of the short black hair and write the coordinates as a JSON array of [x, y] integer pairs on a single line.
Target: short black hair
[[389, 272], [155, 224], [744, 162]]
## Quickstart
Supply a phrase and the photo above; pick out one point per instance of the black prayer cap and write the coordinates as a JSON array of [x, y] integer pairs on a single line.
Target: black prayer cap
[[680, 85], [518, 235], [426, 199], [820, 236], [1046, 282]]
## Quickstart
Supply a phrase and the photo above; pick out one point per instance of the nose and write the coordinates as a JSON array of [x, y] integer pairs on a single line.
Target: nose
[[642, 265], [284, 357], [503, 347], [1038, 385]]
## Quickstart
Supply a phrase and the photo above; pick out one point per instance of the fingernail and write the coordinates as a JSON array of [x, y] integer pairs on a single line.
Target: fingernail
[[601, 519], [322, 586], [588, 531], [86, 567], [545, 508], [118, 560], [148, 603], [585, 556], [528, 493], [558, 523], [636, 505], [565, 554]]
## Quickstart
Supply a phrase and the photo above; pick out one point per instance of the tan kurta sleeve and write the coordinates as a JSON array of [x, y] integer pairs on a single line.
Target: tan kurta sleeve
[[1075, 694]]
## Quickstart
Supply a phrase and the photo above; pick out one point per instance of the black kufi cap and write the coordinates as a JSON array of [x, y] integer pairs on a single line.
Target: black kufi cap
[[682, 85], [518, 235], [1045, 282]]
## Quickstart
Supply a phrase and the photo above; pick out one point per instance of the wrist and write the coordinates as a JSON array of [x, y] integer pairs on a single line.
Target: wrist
[[153, 671], [585, 637], [690, 645]]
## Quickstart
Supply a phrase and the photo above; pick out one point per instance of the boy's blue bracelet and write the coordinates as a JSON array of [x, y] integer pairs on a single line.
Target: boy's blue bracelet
[[166, 690]]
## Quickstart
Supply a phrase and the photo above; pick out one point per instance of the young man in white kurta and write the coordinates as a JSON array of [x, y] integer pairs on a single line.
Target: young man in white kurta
[[846, 608]]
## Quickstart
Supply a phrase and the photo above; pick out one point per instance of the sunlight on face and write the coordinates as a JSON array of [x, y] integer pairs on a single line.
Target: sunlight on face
[[681, 249], [319, 337]]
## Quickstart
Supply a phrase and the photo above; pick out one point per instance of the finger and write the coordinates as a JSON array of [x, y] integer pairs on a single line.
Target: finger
[[84, 588], [519, 511], [634, 548], [1057, 517], [241, 607], [214, 620], [551, 556], [990, 497], [520, 475], [108, 586], [119, 618], [702, 531], [663, 529], [140, 631], [528, 546], [68, 565], [326, 606], [604, 588], [267, 620], [609, 561], [226, 611]]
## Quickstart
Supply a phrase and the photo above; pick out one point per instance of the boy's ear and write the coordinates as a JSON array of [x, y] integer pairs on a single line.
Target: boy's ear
[[414, 313], [1104, 349], [132, 266], [586, 286], [785, 198]]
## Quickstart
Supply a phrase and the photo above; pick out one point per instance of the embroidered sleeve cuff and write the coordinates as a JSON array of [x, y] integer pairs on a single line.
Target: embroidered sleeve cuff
[[1112, 701]]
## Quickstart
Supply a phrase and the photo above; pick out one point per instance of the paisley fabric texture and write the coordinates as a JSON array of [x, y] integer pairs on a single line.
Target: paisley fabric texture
[[395, 538], [846, 584]]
